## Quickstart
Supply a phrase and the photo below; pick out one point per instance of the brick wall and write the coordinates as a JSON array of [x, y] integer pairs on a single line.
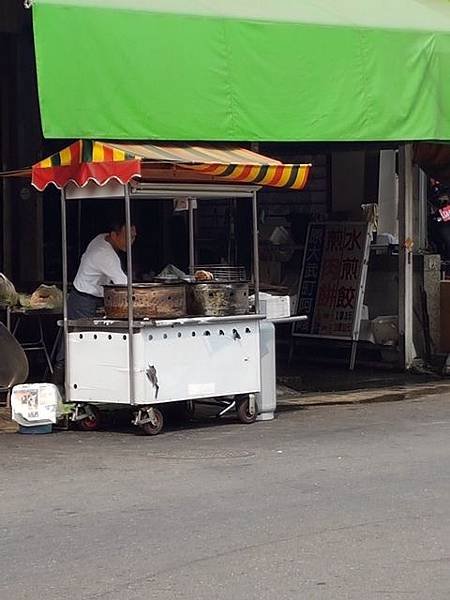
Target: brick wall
[[313, 201], [276, 207]]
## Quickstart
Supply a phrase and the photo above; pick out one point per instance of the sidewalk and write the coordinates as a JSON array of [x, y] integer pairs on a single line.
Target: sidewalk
[[288, 398]]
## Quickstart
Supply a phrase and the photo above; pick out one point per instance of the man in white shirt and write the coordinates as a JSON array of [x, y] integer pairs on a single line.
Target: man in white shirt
[[99, 266]]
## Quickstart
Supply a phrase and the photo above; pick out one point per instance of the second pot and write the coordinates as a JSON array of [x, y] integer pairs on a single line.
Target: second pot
[[213, 299]]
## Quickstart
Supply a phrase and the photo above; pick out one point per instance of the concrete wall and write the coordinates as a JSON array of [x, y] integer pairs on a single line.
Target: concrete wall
[[21, 145], [388, 194], [12, 14], [347, 183], [382, 294]]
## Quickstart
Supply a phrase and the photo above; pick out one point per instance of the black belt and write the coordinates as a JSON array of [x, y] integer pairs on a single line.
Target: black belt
[[85, 295]]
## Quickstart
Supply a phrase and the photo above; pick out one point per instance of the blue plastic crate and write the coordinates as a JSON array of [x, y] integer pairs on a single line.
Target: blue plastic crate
[[33, 429]]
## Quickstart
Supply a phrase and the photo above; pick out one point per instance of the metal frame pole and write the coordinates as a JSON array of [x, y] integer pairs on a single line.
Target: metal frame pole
[[65, 292], [423, 209], [255, 250], [191, 227], [361, 292], [129, 293], [406, 243], [79, 208]]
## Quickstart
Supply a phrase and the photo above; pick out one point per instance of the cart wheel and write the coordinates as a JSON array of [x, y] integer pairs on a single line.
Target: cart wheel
[[154, 429], [243, 410], [91, 423]]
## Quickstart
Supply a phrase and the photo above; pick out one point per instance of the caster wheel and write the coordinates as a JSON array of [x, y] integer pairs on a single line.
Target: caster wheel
[[91, 423], [244, 413], [154, 428]]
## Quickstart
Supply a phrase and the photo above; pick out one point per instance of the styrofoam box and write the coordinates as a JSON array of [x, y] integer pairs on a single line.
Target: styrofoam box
[[275, 307], [35, 404]]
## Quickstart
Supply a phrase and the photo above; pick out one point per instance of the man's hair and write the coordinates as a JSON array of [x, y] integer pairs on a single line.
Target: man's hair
[[116, 225]]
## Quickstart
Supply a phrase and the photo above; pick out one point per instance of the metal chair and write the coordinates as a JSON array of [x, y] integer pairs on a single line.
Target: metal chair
[[13, 362]]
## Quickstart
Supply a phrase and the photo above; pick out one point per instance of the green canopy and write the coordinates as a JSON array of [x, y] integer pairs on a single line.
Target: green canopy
[[272, 70]]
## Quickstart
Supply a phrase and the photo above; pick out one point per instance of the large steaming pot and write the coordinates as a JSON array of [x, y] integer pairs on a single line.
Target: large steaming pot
[[150, 301]]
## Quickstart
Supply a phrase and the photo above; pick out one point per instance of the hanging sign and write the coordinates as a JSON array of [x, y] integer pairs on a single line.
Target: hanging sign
[[445, 213], [182, 204], [332, 283]]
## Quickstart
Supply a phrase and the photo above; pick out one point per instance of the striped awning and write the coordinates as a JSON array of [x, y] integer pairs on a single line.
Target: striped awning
[[88, 160], [84, 161]]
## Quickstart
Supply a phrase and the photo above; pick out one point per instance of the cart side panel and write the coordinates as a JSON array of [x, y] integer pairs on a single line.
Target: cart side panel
[[193, 361], [98, 367]]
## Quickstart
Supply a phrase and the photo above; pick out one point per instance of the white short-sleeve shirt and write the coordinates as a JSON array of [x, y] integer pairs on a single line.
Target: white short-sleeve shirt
[[99, 266]]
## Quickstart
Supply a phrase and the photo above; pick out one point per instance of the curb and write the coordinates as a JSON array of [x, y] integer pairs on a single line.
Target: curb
[[363, 396]]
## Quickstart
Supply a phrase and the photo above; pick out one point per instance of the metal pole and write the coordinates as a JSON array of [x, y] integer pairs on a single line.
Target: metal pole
[[191, 236], [406, 243], [65, 292], [129, 294], [255, 250], [79, 228], [423, 210]]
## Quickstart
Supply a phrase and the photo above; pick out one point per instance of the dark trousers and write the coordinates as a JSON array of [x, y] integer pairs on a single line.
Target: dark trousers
[[79, 306]]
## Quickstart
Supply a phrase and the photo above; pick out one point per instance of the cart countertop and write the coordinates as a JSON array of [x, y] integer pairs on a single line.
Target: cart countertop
[[123, 324]]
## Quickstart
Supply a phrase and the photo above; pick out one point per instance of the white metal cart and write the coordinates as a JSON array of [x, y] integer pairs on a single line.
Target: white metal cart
[[149, 363]]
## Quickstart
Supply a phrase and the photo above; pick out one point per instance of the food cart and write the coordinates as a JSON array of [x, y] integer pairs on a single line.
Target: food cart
[[145, 360]]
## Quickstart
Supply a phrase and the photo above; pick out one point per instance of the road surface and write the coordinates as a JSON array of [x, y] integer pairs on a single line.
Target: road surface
[[328, 503]]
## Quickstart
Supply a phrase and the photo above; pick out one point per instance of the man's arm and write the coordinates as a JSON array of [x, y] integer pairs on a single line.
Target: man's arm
[[112, 269]]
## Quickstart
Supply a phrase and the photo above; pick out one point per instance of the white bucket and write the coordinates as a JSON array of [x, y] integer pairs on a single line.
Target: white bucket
[[385, 330]]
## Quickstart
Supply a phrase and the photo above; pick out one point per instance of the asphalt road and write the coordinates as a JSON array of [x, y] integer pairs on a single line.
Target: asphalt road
[[326, 503]]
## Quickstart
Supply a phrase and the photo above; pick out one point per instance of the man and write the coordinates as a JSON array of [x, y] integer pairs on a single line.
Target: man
[[99, 266]]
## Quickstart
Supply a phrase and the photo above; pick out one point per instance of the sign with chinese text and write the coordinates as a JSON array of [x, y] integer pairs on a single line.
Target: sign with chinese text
[[333, 279]]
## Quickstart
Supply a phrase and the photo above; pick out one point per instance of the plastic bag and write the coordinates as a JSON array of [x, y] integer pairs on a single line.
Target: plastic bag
[[46, 297], [172, 272], [8, 294], [25, 300]]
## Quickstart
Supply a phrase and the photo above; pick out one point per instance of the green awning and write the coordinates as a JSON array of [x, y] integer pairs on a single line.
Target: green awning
[[244, 70]]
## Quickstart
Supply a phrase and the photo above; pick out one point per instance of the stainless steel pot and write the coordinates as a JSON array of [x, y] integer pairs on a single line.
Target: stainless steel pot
[[213, 299], [150, 301]]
